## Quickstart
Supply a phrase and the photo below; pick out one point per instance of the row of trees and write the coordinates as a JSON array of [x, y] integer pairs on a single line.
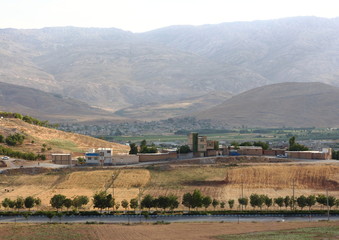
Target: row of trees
[[264, 145], [143, 148], [26, 118], [20, 203], [17, 154], [195, 200]]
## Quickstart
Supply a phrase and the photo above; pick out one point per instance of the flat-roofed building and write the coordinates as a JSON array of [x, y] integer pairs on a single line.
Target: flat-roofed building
[[325, 154], [61, 158]]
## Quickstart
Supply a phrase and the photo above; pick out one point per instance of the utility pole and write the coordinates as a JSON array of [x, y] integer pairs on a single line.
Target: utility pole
[[293, 185], [242, 193], [113, 178], [328, 207]]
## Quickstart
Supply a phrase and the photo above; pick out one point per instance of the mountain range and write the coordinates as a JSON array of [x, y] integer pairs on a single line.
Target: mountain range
[[152, 75]]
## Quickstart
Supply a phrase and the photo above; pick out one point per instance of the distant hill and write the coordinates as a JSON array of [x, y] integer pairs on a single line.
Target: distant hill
[[278, 105], [54, 107], [156, 111], [59, 141], [115, 69]]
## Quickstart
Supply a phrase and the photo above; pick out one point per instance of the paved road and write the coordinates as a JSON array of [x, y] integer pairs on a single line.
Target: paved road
[[138, 218]]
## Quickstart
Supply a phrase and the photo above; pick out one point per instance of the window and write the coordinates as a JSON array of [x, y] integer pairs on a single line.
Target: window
[[89, 158], [108, 151]]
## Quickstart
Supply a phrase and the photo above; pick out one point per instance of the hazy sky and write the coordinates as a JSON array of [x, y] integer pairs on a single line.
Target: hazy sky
[[144, 15]]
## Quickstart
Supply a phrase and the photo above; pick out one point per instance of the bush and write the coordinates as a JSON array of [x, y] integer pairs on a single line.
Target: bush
[[15, 139]]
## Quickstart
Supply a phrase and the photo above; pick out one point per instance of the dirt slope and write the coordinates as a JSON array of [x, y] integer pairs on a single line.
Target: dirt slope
[[59, 141]]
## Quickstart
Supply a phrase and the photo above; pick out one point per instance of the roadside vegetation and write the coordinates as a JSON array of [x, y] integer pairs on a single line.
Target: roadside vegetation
[[195, 202]]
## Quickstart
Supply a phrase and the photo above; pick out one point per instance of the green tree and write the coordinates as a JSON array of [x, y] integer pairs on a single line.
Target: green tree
[[184, 149], [264, 145], [279, 201], [117, 206], [7, 203], [147, 202], [57, 201], [15, 139], [222, 204], [268, 201], [321, 199], [293, 146], [310, 201], [19, 203], [231, 203], [206, 202], [29, 202], [187, 200], [215, 203], [173, 202], [134, 203], [124, 204], [80, 201], [255, 200], [37, 202], [2, 138], [246, 144], [163, 202], [287, 202], [99, 200], [302, 201], [133, 148], [243, 201], [68, 203], [196, 199]]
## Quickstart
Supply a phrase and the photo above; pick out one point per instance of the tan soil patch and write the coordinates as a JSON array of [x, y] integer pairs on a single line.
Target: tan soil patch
[[196, 231]]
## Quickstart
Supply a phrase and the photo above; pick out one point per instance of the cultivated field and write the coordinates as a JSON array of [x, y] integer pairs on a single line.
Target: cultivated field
[[196, 231], [220, 181]]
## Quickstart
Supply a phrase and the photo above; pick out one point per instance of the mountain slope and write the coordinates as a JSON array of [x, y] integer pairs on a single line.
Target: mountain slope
[[278, 105], [49, 106], [156, 111], [111, 68], [299, 49], [118, 70]]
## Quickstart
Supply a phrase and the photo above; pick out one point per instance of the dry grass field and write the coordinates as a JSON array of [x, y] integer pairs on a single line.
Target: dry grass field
[[196, 231], [59, 141], [222, 182]]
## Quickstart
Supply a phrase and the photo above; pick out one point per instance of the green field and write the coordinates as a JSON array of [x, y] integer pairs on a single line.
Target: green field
[[239, 135], [297, 234]]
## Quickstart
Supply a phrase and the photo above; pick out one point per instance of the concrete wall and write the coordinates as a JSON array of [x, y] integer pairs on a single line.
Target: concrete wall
[[125, 159], [62, 159], [274, 152], [185, 155], [157, 156], [309, 155], [250, 151]]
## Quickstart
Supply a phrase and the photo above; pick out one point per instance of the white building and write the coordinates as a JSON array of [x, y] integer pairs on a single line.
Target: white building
[[100, 156]]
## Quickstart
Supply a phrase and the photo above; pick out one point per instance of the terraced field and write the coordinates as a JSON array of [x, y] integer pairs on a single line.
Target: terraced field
[[220, 181]]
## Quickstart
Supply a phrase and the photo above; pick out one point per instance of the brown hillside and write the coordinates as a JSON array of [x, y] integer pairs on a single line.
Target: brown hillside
[[50, 106], [59, 141], [278, 105]]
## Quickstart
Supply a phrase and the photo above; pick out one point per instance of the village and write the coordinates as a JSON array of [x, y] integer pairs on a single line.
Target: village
[[199, 147]]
